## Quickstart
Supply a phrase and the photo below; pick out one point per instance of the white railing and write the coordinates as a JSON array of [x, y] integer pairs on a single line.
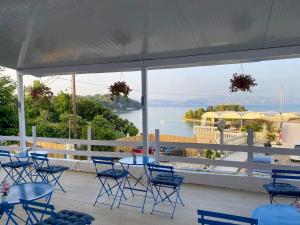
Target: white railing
[[249, 149], [235, 138]]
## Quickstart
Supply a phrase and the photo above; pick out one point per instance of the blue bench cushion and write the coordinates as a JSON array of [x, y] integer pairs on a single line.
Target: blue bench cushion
[[52, 169], [67, 217], [167, 179], [110, 173], [282, 189], [16, 164]]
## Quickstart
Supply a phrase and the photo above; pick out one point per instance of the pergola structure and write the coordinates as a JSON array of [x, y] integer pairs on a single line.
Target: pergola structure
[[50, 37]]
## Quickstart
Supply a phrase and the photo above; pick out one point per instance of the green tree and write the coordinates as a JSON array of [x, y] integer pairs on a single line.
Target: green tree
[[189, 114], [8, 107], [62, 103], [41, 94]]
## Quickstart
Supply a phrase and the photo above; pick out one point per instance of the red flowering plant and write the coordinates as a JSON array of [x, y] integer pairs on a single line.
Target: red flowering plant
[[40, 91], [241, 82], [5, 188], [118, 88]]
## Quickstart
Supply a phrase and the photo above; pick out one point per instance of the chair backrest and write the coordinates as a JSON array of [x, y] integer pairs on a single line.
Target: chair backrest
[[102, 160], [39, 160], [285, 174], [37, 210], [160, 169], [6, 154], [215, 218]]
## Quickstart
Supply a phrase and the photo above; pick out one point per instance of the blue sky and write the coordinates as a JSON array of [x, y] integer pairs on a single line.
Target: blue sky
[[188, 83]]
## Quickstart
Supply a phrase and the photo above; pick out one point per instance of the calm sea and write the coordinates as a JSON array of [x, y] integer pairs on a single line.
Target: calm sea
[[169, 120]]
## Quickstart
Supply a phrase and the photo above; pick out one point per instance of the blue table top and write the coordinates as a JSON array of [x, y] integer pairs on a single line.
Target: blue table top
[[28, 154], [139, 160], [277, 214], [28, 191]]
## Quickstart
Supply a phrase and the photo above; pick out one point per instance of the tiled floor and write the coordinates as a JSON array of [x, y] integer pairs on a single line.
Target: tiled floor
[[82, 189]]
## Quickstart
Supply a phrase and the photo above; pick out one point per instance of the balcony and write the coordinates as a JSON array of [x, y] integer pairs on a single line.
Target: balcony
[[81, 190], [238, 193]]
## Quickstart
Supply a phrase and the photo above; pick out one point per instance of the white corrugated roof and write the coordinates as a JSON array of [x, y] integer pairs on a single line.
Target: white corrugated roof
[[55, 36]]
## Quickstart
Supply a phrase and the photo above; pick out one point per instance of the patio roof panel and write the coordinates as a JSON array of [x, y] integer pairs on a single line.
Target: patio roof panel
[[53, 35]]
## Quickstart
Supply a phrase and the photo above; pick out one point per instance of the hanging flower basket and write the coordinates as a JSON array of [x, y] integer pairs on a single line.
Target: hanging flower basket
[[241, 82], [119, 88]]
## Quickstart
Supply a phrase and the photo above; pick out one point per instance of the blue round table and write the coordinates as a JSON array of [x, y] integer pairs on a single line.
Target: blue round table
[[136, 184], [138, 160], [277, 214], [28, 191], [26, 155]]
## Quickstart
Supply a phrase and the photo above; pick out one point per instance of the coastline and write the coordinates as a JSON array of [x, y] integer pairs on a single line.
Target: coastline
[[192, 120]]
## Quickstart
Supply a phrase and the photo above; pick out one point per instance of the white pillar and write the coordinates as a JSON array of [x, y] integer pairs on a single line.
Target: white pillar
[[144, 100], [21, 112], [89, 138], [157, 146]]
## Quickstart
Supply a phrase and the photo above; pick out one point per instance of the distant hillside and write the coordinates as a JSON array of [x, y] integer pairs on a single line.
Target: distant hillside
[[121, 105], [226, 99]]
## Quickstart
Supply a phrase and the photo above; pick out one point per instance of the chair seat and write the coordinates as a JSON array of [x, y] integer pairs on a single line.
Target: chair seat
[[67, 217], [282, 189], [16, 164], [52, 169], [110, 173], [168, 180]]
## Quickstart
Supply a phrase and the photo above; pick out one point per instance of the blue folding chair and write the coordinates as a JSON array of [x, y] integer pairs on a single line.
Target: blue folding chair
[[216, 218], [15, 170], [8, 209], [280, 189], [36, 211], [164, 185], [47, 173], [119, 176]]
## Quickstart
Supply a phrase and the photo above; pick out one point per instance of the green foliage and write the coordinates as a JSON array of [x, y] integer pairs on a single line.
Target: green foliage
[[258, 125], [40, 94], [226, 107], [8, 107], [194, 114], [122, 104], [212, 154], [197, 114], [271, 136], [52, 118]]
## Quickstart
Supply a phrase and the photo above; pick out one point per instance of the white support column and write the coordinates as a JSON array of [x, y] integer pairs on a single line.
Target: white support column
[[89, 138], [144, 101], [21, 112]]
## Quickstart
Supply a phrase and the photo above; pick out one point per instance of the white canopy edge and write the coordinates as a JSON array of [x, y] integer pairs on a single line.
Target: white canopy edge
[[253, 55]]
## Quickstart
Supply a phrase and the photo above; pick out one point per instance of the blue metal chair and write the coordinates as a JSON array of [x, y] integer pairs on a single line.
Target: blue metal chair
[[280, 189], [117, 175], [15, 170], [8, 209], [48, 173], [163, 185], [36, 211], [216, 218]]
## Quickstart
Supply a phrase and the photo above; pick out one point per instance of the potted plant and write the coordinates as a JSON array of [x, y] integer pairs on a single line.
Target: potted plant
[[5, 191], [241, 82], [119, 88]]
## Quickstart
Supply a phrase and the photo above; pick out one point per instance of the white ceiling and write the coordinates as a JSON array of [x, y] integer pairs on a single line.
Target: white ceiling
[[64, 36]]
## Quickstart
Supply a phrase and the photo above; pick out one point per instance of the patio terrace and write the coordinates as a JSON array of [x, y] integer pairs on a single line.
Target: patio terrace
[[81, 190]]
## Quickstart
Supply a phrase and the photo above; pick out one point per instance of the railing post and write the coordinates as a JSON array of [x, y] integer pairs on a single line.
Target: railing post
[[33, 138], [221, 137], [157, 146], [250, 138], [89, 138]]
